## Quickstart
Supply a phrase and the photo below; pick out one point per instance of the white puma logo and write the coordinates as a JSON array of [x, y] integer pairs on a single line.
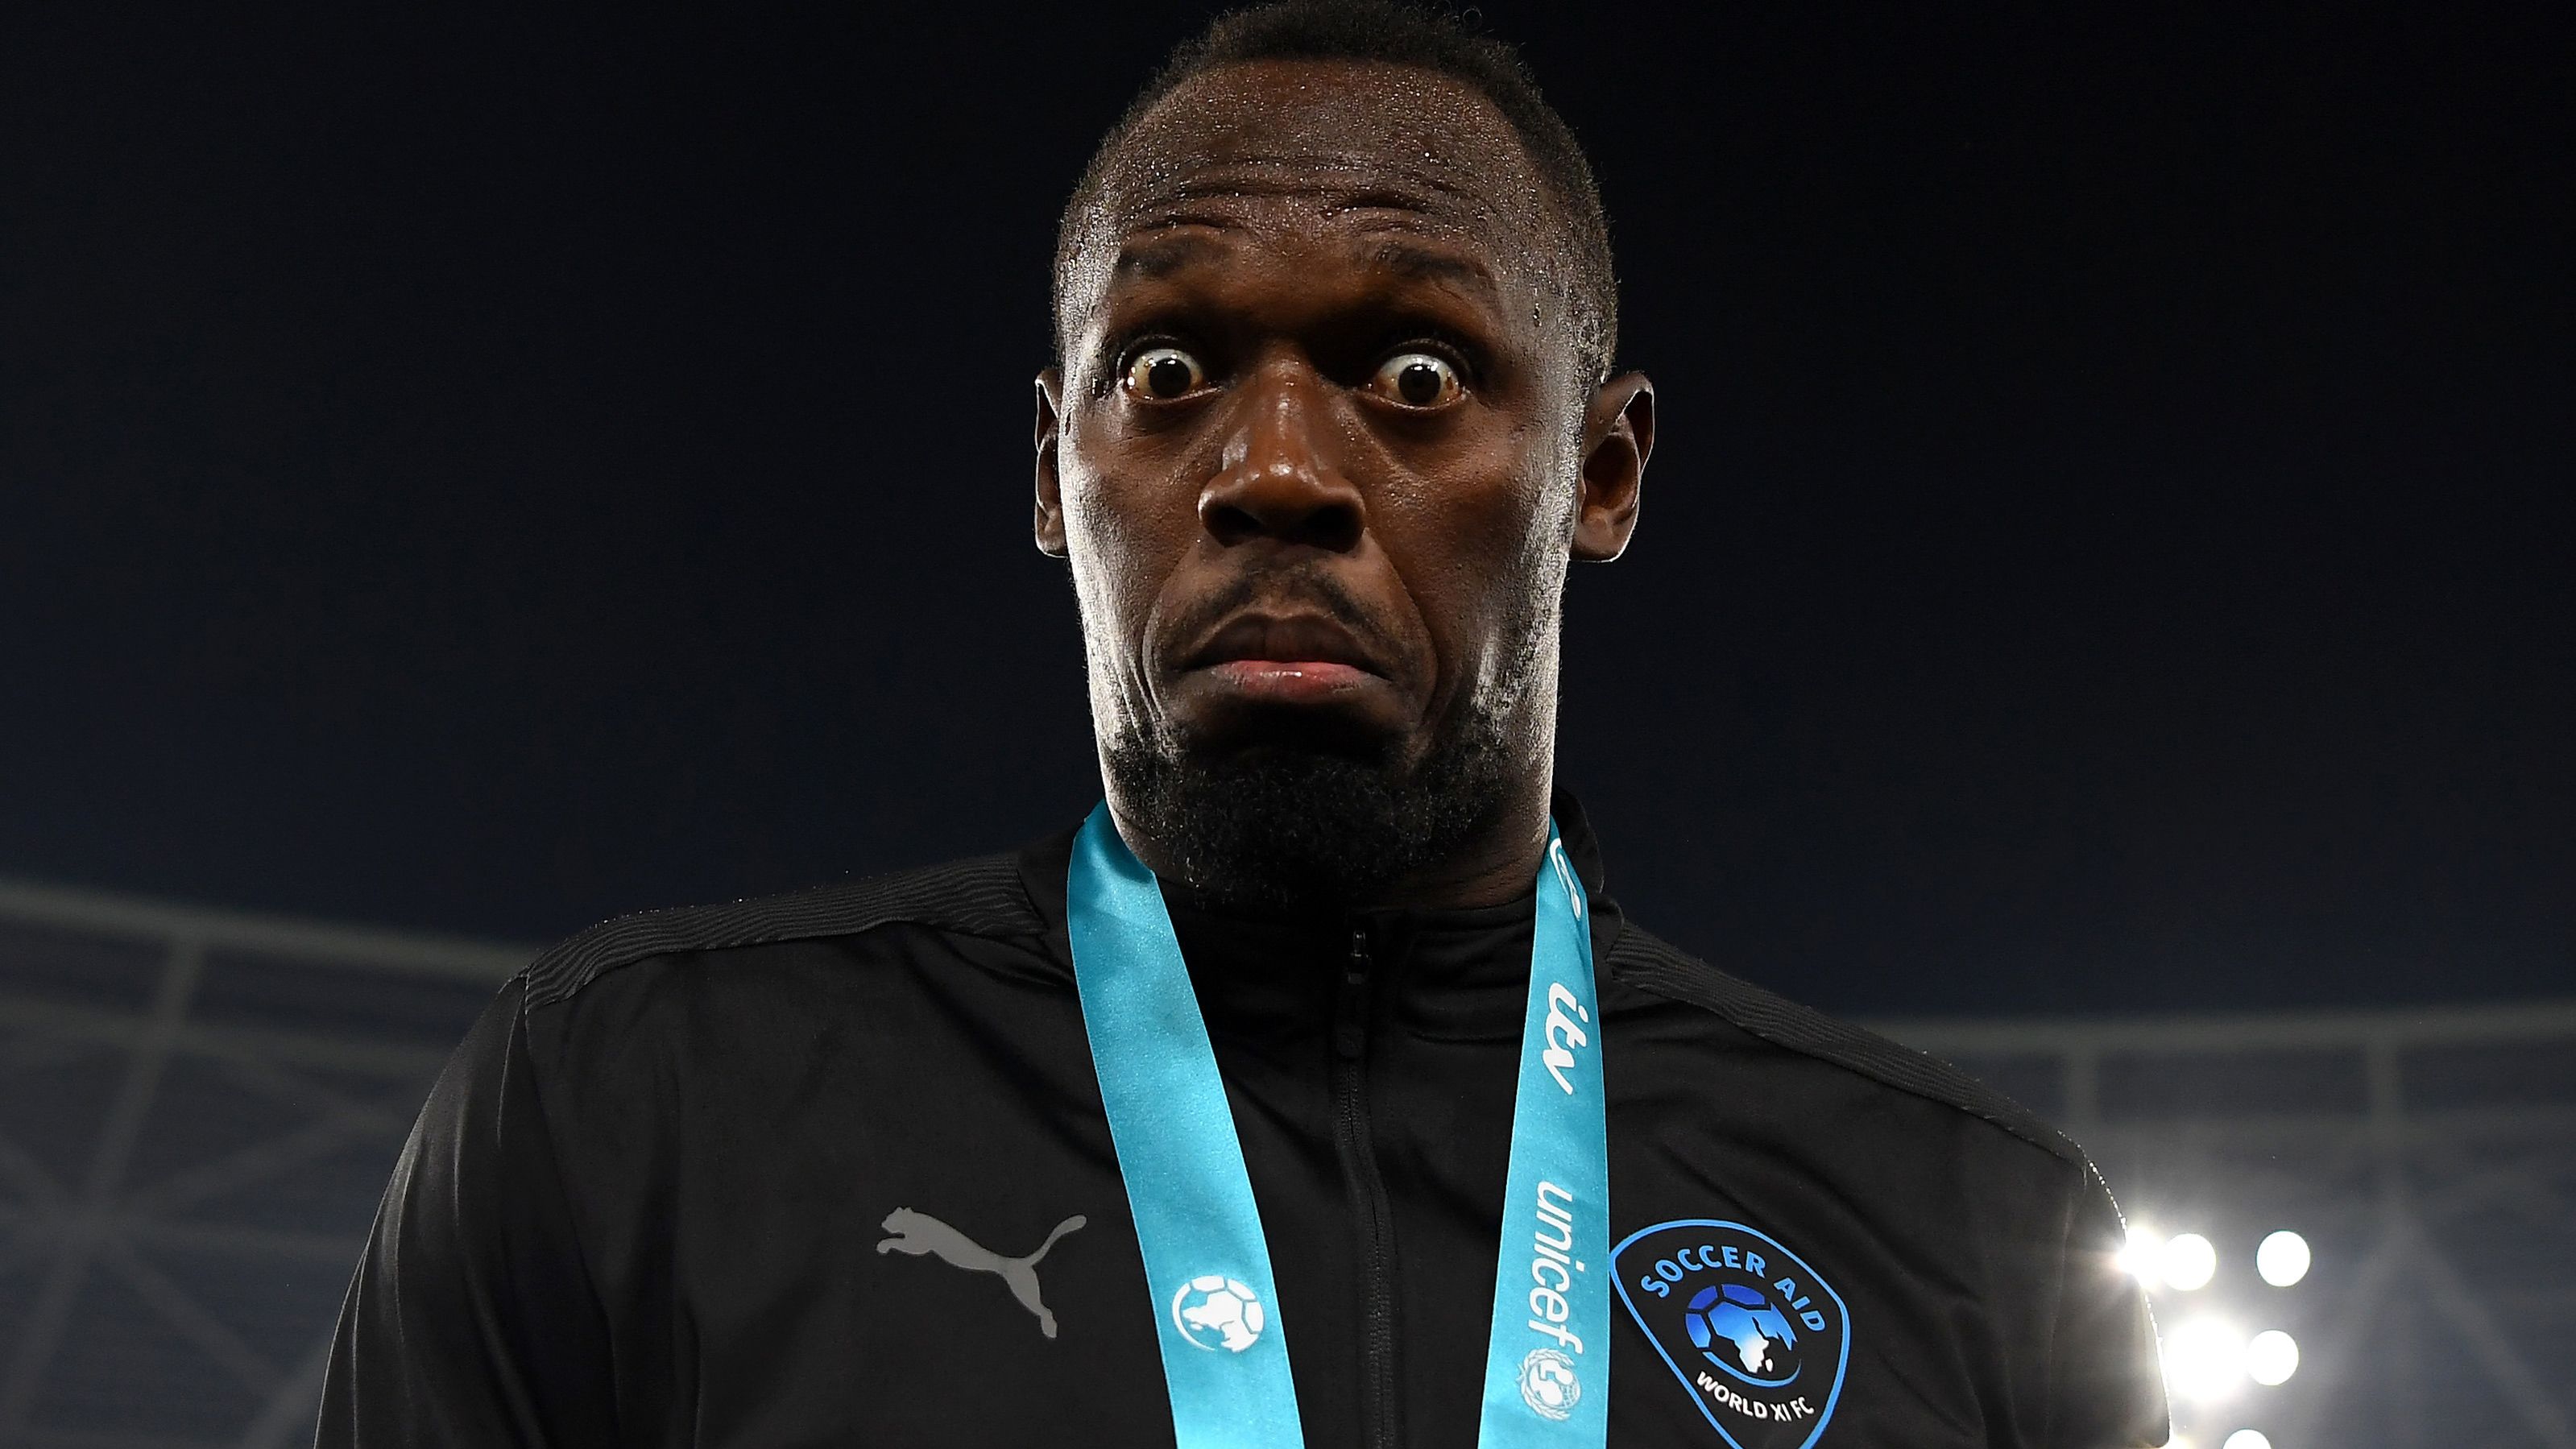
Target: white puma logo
[[919, 1233]]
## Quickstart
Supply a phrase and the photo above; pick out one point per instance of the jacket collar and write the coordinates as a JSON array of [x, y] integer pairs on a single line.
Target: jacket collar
[[1456, 974]]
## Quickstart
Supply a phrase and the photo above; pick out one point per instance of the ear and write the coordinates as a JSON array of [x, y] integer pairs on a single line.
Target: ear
[[1050, 519], [1618, 437]]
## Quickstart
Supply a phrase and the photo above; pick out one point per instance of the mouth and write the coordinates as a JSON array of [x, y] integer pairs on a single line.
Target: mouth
[[1303, 657]]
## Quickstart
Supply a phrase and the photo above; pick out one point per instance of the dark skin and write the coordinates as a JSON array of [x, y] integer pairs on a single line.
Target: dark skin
[[1319, 450]]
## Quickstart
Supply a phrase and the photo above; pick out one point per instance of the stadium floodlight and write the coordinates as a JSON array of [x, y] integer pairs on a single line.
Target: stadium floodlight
[[2188, 1261], [2204, 1359], [2282, 1258], [2271, 1357], [2138, 1255], [2247, 1439]]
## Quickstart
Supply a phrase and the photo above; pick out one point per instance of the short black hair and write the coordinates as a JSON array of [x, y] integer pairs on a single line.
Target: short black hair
[[1397, 33]]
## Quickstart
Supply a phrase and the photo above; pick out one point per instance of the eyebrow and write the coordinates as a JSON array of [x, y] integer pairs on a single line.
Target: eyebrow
[[1158, 256], [1162, 255], [1429, 264]]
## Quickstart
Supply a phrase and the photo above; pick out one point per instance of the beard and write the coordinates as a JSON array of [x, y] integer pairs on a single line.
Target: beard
[[1299, 825]]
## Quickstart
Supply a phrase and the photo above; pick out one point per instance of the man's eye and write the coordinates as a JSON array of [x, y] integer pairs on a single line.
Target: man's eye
[[1165, 372], [1418, 380]]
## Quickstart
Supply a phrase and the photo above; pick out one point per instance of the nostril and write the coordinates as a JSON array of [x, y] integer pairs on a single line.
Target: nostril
[[1334, 526], [1228, 524]]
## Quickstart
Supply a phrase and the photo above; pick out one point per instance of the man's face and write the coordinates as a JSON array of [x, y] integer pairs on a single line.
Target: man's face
[[1318, 451]]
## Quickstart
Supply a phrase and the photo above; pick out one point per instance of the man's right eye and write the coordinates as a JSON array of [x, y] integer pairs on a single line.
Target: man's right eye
[[1163, 373]]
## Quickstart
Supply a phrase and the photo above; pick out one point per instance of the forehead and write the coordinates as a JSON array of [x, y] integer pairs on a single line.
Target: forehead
[[1299, 150]]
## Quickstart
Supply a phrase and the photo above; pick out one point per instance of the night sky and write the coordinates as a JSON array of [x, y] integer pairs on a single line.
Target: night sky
[[2108, 548]]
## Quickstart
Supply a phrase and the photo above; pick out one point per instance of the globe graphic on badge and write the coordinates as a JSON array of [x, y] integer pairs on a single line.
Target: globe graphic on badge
[[1214, 1312], [1736, 1327], [1549, 1384]]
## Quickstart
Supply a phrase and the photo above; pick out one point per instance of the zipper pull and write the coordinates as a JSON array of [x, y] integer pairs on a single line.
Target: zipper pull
[[1350, 1022]]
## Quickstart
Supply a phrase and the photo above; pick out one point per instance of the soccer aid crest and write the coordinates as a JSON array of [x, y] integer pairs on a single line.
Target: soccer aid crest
[[1756, 1338]]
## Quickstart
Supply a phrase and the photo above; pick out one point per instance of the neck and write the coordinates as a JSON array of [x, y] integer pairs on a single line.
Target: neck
[[1498, 864]]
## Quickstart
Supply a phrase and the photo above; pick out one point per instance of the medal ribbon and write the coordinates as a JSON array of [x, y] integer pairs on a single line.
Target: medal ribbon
[[1216, 1305]]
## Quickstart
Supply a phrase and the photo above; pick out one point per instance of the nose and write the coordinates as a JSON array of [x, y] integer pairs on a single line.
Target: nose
[[1280, 476]]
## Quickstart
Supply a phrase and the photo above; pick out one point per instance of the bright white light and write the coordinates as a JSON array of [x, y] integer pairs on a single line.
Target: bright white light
[[2247, 1439], [2271, 1357], [2138, 1257], [2204, 1359], [2282, 1259], [2188, 1261]]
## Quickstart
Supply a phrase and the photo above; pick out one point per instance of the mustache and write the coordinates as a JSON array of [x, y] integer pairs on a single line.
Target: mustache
[[1297, 589]]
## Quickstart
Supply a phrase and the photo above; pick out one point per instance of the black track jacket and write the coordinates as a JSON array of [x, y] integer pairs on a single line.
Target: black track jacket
[[831, 1169]]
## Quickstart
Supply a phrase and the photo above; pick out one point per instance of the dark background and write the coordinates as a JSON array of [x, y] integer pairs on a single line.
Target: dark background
[[2108, 549]]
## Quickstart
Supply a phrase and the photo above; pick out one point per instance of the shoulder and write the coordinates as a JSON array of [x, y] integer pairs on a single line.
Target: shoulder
[[1649, 963], [982, 896]]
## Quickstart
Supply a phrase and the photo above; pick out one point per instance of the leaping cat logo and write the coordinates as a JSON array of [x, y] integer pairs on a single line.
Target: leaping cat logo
[[919, 1233]]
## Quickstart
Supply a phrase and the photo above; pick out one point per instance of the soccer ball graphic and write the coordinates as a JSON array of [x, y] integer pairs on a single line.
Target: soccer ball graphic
[[1214, 1311], [1735, 1327]]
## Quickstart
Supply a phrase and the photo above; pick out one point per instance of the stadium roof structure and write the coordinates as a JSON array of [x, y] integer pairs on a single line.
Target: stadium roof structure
[[2428, 1157], [198, 1110]]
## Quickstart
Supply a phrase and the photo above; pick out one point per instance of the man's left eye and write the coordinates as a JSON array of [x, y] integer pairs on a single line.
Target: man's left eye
[[1418, 380]]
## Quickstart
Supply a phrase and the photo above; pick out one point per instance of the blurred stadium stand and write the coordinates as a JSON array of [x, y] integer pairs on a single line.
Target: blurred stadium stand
[[199, 1108]]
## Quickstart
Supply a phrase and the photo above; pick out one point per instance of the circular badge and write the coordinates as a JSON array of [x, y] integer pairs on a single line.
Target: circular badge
[[1213, 1311], [1549, 1385]]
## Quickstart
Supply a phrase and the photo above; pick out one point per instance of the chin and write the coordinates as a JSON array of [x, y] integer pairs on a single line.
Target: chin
[[1307, 812], [1242, 739], [1207, 719]]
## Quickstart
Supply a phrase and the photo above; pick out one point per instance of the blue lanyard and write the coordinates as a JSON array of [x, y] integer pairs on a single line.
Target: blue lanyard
[[1216, 1305]]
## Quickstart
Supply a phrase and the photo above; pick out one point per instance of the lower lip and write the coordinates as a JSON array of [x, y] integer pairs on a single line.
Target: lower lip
[[1289, 679]]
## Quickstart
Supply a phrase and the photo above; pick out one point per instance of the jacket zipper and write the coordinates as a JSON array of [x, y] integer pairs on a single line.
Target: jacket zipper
[[1360, 1178]]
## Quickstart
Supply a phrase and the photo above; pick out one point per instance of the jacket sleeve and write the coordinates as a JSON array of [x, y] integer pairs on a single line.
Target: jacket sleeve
[[471, 1319], [2106, 1381]]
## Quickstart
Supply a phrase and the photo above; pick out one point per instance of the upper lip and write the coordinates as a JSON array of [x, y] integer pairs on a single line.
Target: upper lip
[[1289, 637]]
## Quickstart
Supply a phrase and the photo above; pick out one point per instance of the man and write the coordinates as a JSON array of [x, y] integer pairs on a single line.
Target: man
[[913, 1161]]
